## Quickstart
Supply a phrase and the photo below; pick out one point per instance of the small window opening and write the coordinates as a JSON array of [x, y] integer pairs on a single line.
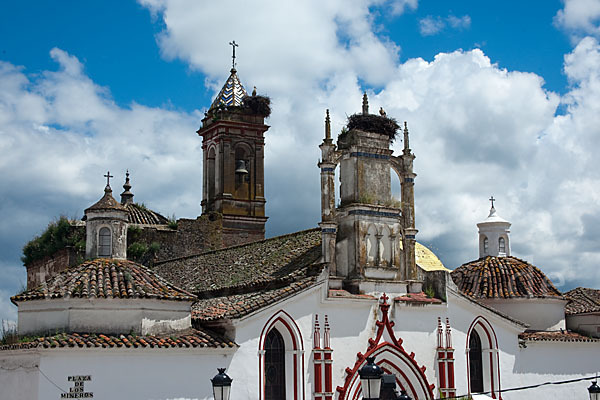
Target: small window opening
[[104, 242], [501, 245]]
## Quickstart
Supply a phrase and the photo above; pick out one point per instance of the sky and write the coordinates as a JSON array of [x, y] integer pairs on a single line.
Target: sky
[[501, 98]]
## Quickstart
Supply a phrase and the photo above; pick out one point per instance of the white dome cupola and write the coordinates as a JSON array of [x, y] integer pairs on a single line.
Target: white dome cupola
[[494, 238]]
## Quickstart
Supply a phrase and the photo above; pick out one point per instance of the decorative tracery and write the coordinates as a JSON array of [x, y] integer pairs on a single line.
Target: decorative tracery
[[392, 358]]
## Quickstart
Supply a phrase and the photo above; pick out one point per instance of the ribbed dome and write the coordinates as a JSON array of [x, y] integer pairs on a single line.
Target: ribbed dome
[[502, 277]]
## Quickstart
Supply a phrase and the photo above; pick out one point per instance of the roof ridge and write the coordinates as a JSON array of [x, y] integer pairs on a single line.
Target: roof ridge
[[235, 246]]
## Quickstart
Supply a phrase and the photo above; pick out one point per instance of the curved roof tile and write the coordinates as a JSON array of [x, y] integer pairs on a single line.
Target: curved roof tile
[[106, 278], [502, 277]]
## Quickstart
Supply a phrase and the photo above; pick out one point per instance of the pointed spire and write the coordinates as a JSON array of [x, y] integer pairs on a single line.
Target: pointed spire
[[326, 339], [440, 334], [365, 104], [406, 143], [126, 196], [317, 334], [448, 334], [327, 125]]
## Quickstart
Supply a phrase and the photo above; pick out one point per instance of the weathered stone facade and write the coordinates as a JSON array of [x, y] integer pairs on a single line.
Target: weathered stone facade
[[371, 236]]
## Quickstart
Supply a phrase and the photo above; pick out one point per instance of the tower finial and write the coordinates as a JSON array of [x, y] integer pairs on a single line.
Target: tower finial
[[327, 125], [126, 196], [492, 199], [254, 91], [406, 143], [365, 104], [234, 45], [108, 176]]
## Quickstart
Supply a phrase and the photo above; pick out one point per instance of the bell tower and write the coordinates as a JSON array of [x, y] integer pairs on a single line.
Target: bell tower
[[233, 160]]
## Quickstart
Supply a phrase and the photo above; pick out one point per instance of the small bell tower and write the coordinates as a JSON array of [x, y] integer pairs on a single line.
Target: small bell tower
[[494, 235], [106, 227], [233, 160]]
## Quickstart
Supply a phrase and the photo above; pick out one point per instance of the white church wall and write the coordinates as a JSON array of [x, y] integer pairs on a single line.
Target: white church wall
[[19, 375], [143, 316], [539, 314], [552, 361], [134, 374], [586, 324]]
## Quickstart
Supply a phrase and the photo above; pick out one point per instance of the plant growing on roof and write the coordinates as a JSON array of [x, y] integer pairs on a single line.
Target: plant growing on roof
[[58, 235]]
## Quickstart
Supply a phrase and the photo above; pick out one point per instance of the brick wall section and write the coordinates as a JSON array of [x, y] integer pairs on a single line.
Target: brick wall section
[[40, 270], [192, 236]]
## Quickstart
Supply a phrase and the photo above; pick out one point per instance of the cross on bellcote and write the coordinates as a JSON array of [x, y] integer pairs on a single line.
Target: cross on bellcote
[[492, 199], [233, 44], [108, 176]]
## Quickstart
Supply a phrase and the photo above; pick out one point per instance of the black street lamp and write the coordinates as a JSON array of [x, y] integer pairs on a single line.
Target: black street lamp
[[594, 391], [221, 384], [370, 379]]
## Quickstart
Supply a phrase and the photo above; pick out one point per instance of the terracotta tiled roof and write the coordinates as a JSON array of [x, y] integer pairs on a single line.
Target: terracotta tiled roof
[[189, 338], [582, 300], [557, 336], [138, 214], [502, 277], [106, 278], [250, 264], [239, 305], [418, 298], [107, 202]]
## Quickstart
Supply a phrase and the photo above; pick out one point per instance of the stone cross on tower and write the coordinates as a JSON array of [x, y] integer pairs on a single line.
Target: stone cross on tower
[[108, 176], [233, 44]]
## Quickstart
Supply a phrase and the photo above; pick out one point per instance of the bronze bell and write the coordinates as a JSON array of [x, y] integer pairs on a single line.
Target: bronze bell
[[240, 167]]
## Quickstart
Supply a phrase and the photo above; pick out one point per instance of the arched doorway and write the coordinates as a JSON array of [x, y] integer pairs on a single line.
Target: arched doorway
[[274, 366], [475, 363]]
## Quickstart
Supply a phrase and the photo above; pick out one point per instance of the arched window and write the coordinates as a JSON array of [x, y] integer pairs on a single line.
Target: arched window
[[485, 245], [475, 363], [281, 359], [210, 171], [104, 242], [483, 359], [274, 366], [501, 245]]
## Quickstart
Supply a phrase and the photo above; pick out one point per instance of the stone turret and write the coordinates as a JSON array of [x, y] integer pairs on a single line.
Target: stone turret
[[106, 227], [371, 237]]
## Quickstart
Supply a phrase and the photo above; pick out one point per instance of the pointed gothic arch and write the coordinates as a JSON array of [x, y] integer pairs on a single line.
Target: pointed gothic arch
[[490, 359], [392, 358], [293, 344]]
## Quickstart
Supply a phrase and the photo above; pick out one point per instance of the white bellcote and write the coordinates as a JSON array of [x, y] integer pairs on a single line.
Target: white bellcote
[[494, 235]]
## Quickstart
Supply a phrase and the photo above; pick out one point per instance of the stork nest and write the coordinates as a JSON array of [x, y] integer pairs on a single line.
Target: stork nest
[[257, 105], [374, 124]]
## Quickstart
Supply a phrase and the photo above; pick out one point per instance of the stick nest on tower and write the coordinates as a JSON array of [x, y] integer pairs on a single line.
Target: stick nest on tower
[[257, 105], [374, 124]]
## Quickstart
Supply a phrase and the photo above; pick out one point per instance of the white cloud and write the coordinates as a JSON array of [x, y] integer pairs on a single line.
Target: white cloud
[[400, 6], [579, 17], [431, 25], [463, 22]]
